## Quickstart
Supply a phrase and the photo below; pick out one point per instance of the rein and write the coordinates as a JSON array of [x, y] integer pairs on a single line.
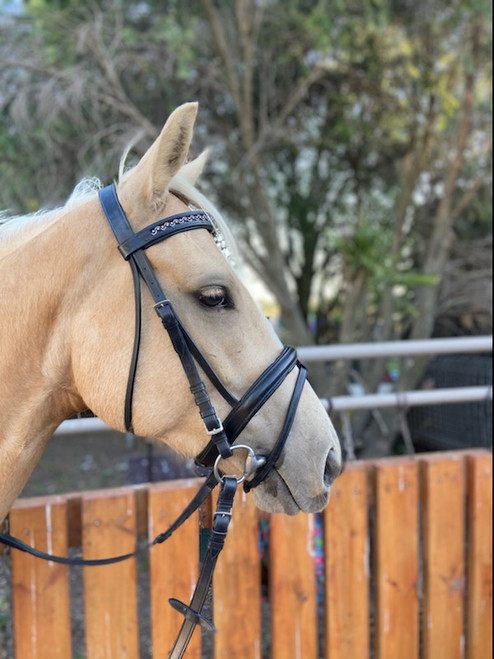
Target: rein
[[132, 247]]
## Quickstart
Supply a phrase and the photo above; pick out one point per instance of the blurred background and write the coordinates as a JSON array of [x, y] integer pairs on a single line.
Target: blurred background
[[350, 150]]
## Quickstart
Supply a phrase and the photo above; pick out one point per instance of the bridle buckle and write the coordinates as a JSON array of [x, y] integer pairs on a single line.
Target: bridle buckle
[[216, 431], [161, 303]]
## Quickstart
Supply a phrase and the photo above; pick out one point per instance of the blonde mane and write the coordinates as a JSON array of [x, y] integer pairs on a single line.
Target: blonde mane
[[15, 231]]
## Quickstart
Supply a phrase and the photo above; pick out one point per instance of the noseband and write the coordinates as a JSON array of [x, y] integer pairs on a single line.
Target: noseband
[[131, 246]]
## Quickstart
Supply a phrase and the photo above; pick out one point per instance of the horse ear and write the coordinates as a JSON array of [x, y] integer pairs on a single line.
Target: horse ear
[[192, 170], [165, 157]]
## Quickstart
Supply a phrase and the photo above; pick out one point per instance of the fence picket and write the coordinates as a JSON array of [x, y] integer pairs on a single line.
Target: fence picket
[[237, 586], [443, 497], [174, 565], [346, 536], [374, 512], [479, 634], [108, 529], [40, 590], [396, 559], [293, 587]]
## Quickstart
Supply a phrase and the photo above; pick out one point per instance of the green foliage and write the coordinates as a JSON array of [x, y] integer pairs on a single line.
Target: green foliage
[[363, 89], [369, 248]]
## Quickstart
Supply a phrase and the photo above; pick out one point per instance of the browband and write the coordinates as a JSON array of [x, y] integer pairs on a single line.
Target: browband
[[162, 229]]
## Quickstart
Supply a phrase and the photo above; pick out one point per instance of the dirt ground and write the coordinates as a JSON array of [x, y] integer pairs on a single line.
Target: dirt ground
[[90, 461]]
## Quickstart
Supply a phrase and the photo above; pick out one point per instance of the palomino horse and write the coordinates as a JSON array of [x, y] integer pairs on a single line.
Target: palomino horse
[[67, 315]]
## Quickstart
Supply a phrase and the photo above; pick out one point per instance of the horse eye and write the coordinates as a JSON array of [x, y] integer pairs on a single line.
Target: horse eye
[[214, 297]]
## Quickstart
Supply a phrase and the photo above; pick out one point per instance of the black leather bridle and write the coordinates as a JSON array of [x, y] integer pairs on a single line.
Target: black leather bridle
[[132, 246]]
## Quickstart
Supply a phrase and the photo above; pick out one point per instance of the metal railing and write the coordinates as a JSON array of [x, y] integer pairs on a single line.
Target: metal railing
[[457, 345], [400, 399]]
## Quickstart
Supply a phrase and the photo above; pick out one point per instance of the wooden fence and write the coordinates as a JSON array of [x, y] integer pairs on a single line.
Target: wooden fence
[[408, 546]]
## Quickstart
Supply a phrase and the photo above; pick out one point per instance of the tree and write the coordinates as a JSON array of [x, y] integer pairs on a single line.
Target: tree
[[340, 146], [350, 143]]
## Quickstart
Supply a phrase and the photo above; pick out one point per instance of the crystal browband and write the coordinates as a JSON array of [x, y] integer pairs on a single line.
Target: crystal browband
[[162, 229], [199, 216]]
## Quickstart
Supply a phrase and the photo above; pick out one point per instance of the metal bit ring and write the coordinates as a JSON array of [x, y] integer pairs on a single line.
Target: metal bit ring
[[240, 479]]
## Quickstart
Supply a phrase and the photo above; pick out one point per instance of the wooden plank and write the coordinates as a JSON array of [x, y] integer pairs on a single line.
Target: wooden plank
[[40, 590], [237, 586], [73, 501], [110, 594], [346, 540], [3, 529], [479, 629], [174, 564], [293, 587], [443, 506], [396, 559]]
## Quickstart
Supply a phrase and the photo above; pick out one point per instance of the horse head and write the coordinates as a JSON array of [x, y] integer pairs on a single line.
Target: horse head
[[219, 316]]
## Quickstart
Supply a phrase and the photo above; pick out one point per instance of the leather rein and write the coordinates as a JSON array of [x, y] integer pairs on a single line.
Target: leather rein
[[221, 446]]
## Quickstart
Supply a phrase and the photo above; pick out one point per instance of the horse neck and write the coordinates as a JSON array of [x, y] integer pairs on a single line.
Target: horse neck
[[42, 282]]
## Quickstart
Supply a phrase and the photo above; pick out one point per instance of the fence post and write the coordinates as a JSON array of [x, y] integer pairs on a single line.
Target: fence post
[[443, 509], [40, 589], [173, 566], [396, 559], [110, 591], [237, 586], [293, 587], [479, 631], [346, 541]]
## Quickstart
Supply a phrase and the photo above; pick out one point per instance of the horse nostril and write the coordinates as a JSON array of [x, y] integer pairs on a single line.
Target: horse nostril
[[332, 468]]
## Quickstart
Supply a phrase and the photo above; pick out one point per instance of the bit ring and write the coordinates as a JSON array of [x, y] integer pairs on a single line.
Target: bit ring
[[216, 471]]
